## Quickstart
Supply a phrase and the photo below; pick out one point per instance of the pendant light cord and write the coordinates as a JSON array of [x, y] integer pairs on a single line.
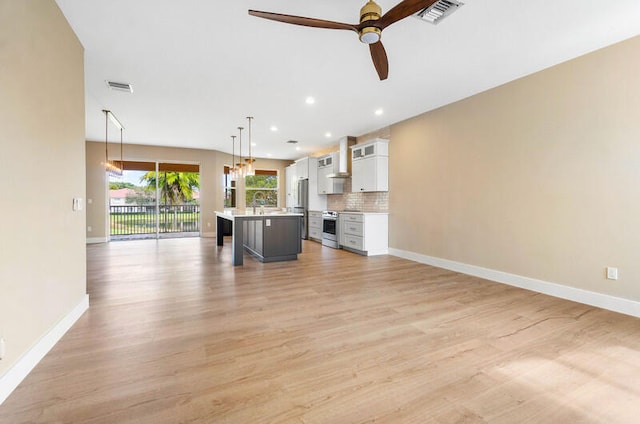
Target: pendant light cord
[[249, 118], [240, 170], [232, 170], [121, 160], [106, 137]]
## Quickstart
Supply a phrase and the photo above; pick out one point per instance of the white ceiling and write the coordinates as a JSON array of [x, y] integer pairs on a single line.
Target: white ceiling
[[198, 67]]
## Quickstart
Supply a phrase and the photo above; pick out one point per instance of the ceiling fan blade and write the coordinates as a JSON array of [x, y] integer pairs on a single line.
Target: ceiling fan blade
[[380, 61], [402, 10], [300, 20]]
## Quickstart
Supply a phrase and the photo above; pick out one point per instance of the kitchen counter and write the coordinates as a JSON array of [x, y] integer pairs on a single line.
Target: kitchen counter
[[363, 213], [274, 236], [233, 213]]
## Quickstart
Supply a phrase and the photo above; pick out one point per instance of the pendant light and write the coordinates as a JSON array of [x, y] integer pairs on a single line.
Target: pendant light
[[112, 166], [250, 169], [240, 165], [233, 171]]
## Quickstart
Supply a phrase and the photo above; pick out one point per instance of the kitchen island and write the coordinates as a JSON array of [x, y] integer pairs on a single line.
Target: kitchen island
[[269, 237]]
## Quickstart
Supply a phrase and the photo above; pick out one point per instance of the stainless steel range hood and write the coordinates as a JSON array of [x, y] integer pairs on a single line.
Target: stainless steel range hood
[[344, 154]]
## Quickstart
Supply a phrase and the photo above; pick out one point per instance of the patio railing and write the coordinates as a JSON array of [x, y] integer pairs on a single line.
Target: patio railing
[[141, 219]]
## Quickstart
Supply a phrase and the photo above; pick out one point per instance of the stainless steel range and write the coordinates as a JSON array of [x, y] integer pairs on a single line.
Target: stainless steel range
[[330, 229]]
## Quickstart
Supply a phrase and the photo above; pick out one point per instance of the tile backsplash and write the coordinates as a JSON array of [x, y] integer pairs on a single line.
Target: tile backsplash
[[363, 202]]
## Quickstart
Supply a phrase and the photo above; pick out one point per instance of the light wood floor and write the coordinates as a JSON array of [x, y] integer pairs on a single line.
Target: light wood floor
[[175, 334]]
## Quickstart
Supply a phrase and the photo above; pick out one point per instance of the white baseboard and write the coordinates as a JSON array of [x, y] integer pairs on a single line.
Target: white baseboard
[[93, 240], [377, 252], [211, 234], [14, 376], [600, 300]]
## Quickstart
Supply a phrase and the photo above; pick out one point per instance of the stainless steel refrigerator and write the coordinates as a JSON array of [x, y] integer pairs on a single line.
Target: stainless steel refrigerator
[[302, 205]]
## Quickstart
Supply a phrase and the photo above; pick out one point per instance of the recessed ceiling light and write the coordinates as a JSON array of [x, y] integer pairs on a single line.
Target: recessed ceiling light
[[269, 155], [273, 128], [310, 100], [253, 144], [379, 111], [327, 134], [298, 148]]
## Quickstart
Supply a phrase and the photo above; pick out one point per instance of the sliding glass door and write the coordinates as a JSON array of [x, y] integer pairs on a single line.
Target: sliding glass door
[[155, 200]]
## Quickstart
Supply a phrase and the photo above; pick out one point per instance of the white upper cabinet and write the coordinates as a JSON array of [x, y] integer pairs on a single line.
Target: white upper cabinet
[[370, 166], [328, 161], [307, 169], [329, 165], [291, 180], [302, 168]]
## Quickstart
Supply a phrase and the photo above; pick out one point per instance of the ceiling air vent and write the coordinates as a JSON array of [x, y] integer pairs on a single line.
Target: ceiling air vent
[[438, 11], [120, 86]]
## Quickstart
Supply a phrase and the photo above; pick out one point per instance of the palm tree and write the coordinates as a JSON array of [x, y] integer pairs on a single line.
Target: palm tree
[[175, 187]]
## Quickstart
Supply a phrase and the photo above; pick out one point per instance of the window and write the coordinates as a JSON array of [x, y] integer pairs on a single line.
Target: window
[[262, 188], [229, 190]]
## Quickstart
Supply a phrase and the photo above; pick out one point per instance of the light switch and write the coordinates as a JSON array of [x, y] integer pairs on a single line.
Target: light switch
[[77, 203]]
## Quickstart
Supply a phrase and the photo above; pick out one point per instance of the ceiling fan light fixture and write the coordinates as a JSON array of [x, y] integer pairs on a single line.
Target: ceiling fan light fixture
[[370, 35], [370, 12]]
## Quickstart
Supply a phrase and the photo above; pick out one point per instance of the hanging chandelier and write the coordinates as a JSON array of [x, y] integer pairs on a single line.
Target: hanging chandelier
[[113, 168]]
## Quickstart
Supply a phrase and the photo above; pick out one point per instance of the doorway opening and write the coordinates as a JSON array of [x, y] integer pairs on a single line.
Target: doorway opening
[[155, 200]]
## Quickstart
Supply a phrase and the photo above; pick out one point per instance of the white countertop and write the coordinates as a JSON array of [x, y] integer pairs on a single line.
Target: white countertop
[[363, 213], [356, 212], [239, 213]]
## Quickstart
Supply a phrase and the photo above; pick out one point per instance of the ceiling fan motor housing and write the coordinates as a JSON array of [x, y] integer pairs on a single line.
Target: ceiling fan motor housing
[[370, 12]]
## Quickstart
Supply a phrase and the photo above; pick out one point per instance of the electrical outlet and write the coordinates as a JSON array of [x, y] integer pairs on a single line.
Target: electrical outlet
[[208, 224], [89, 229], [2, 348], [612, 273]]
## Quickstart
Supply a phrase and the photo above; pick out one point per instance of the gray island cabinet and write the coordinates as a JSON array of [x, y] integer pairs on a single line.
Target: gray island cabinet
[[269, 238]]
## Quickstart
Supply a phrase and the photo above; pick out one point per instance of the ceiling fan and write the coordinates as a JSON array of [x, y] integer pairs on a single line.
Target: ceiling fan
[[372, 22]]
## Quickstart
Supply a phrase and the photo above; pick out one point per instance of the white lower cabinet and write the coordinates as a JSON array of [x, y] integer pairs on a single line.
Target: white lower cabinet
[[315, 225], [365, 233]]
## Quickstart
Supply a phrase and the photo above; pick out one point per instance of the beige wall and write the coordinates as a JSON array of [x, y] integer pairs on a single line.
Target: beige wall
[[211, 163], [539, 177], [42, 241]]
